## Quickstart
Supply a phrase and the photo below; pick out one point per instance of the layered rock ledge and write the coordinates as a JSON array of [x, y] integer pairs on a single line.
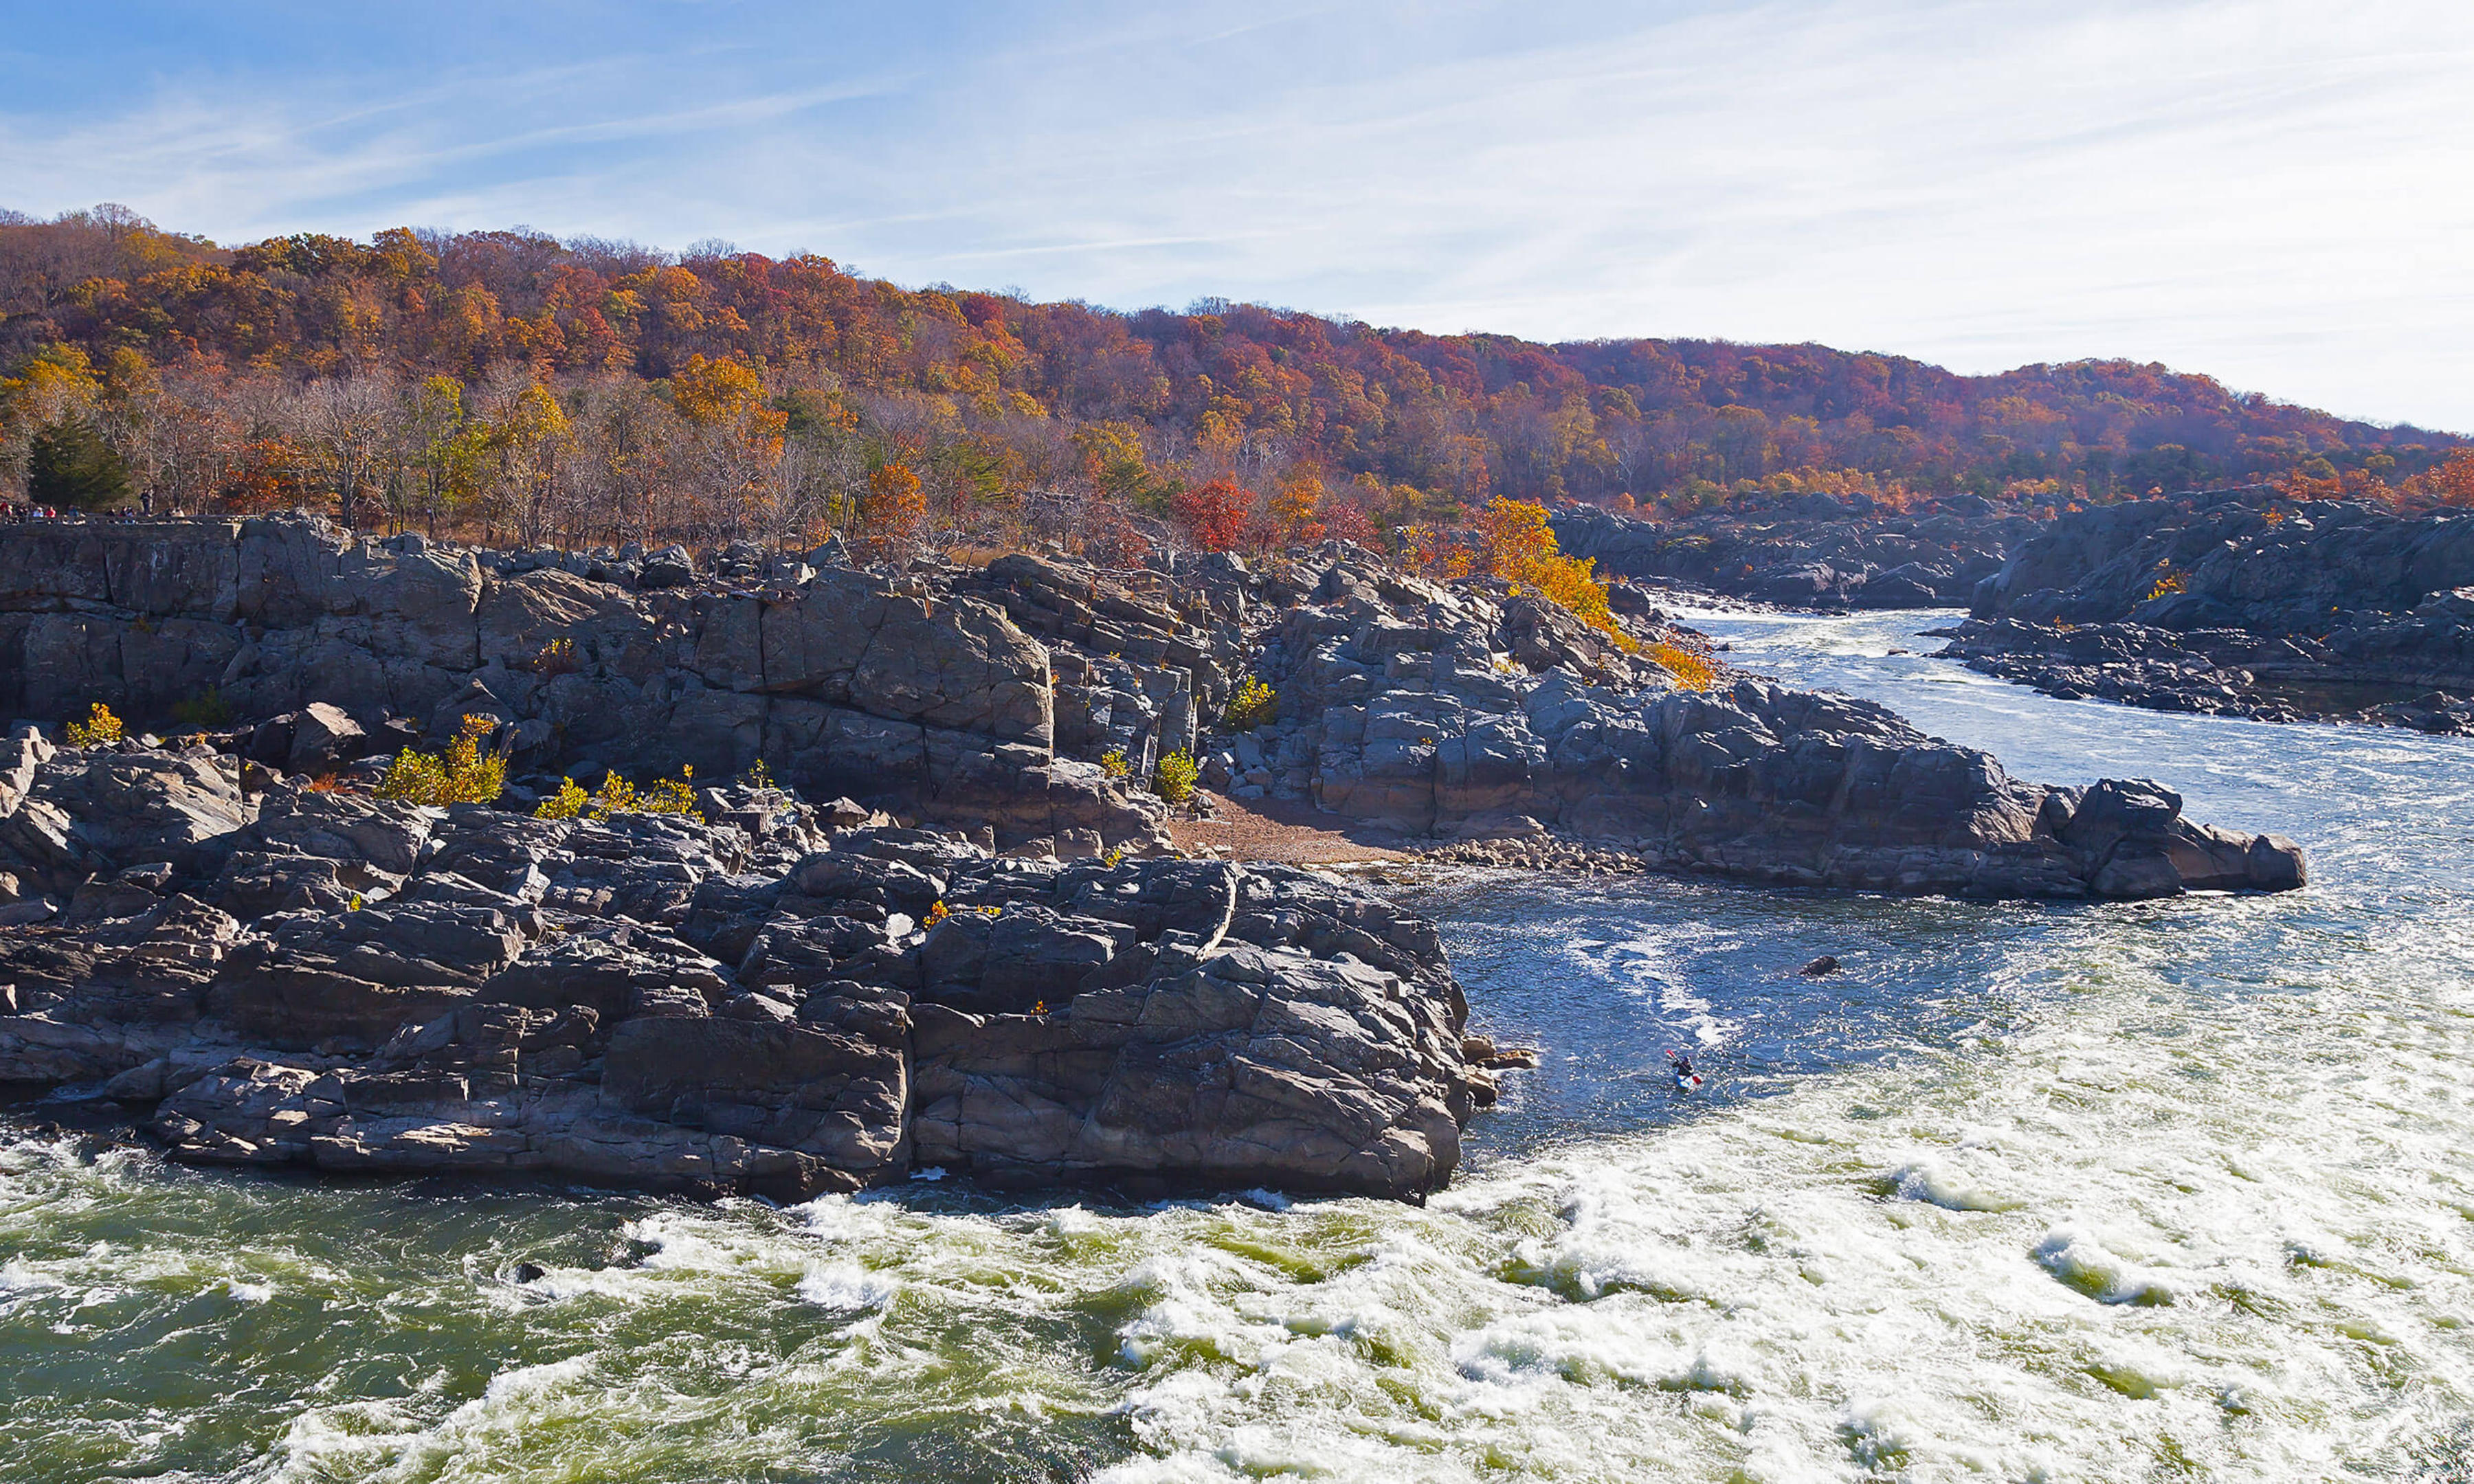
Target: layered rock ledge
[[2243, 602], [753, 1000], [987, 698], [1807, 551]]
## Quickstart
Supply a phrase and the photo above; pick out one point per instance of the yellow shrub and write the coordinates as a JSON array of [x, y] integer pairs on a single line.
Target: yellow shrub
[[666, 796], [565, 805], [1112, 762], [2173, 580], [1173, 779], [1253, 705], [461, 774], [1691, 671], [100, 729]]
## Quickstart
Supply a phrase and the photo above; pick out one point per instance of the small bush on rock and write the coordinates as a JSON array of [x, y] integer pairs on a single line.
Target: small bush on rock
[[1172, 780], [565, 805], [1691, 671], [618, 796], [205, 710], [1112, 762], [556, 658], [463, 773], [100, 729], [1253, 705]]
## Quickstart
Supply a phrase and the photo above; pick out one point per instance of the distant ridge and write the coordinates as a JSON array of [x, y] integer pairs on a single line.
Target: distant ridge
[[991, 398]]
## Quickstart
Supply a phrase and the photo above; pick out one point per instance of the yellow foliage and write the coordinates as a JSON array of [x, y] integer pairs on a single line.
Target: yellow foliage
[[2173, 579], [1511, 540], [710, 392], [565, 805], [666, 796], [1173, 778], [1691, 671], [461, 774], [1253, 705], [1112, 762], [100, 729]]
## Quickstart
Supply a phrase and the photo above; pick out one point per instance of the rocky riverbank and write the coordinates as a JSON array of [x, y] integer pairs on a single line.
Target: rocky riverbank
[[1807, 551], [2243, 602], [746, 998], [983, 962]]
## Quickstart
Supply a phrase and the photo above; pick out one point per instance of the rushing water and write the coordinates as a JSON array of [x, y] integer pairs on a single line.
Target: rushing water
[[2181, 1190]]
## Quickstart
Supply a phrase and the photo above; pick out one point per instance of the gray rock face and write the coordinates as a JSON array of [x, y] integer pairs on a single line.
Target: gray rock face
[[1453, 712], [1812, 551], [2243, 602], [752, 1000], [841, 681]]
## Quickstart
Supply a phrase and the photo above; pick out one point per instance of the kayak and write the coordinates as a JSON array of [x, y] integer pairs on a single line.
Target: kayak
[[1687, 1082]]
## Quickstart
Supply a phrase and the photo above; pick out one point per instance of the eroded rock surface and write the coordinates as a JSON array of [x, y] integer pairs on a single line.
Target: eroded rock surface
[[763, 997], [2244, 603]]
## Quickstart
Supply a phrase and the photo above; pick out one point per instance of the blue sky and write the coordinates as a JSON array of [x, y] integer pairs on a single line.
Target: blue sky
[[2272, 191]]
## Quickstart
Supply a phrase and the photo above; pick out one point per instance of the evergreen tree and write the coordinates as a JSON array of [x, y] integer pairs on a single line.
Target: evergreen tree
[[70, 465]]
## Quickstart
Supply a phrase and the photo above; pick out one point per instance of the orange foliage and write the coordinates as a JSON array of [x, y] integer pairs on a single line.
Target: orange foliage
[[1129, 405], [894, 513]]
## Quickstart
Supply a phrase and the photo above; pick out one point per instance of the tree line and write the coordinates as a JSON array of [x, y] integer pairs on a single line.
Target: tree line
[[516, 386]]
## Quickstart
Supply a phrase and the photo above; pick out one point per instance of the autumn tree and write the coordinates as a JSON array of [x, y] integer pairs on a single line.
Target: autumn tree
[[526, 435], [893, 517], [349, 429], [1214, 514]]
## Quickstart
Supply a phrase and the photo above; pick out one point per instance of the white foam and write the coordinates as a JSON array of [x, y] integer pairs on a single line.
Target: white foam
[[845, 1286]]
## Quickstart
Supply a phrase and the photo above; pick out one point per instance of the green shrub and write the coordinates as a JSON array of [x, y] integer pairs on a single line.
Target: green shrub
[[207, 708]]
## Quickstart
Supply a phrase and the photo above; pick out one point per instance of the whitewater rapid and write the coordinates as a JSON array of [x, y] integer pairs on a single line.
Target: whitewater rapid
[[2029, 1192]]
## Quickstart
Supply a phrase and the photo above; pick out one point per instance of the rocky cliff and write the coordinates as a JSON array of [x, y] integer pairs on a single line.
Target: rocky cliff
[[1468, 711], [843, 681], [986, 697], [232, 934], [2242, 602], [1808, 551]]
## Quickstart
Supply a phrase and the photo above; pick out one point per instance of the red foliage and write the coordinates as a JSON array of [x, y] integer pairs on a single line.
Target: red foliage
[[1214, 514]]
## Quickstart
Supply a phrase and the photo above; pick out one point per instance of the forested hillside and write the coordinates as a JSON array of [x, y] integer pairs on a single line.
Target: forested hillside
[[586, 390]]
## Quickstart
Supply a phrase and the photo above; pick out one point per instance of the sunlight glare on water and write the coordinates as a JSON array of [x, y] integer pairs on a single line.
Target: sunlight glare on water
[[2029, 1192]]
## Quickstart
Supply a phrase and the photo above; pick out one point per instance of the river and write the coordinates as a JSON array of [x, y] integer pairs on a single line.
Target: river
[[2028, 1192]]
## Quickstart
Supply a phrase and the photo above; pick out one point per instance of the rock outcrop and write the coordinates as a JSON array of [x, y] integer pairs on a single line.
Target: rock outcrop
[[1807, 551], [842, 681], [275, 967], [1466, 711], [2245, 603], [989, 698], [750, 998]]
